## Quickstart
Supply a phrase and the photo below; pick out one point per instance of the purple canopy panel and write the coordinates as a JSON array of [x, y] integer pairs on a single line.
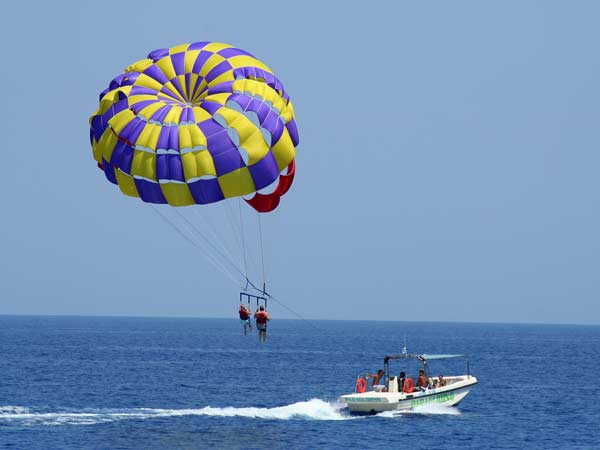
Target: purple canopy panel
[[194, 90], [155, 73], [109, 171], [293, 130], [168, 167], [141, 105], [141, 90], [210, 107], [219, 69], [149, 191], [178, 60], [163, 138], [241, 99], [183, 118], [97, 128], [174, 138], [228, 161], [221, 88], [160, 114], [177, 84], [260, 108], [206, 191], [231, 52], [210, 127], [277, 126], [198, 45], [165, 90], [118, 153], [132, 130], [265, 171], [157, 54], [201, 59], [219, 142], [126, 159]]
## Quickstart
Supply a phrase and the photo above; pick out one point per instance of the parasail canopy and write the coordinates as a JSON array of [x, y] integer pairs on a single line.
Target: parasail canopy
[[196, 124]]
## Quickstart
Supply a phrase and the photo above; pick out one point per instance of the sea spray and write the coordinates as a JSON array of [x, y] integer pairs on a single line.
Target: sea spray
[[314, 409], [428, 409]]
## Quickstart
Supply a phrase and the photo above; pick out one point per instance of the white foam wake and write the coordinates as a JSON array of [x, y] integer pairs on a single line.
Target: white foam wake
[[314, 409], [13, 410], [436, 408], [427, 409]]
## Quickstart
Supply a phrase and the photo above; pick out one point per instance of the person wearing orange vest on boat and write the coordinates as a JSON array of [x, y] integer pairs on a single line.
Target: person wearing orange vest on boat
[[245, 318], [262, 317]]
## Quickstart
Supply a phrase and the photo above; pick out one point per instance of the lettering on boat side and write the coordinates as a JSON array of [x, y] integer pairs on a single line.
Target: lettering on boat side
[[366, 399], [441, 398]]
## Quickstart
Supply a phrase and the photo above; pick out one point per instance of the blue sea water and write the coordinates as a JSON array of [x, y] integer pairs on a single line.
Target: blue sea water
[[165, 383]]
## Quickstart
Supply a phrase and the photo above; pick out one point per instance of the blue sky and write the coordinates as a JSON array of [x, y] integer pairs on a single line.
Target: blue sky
[[448, 165]]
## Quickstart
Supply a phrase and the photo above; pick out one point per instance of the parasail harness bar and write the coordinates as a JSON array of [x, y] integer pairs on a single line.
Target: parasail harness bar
[[244, 296], [262, 296]]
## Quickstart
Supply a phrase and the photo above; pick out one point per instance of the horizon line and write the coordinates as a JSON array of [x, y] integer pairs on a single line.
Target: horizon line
[[129, 316]]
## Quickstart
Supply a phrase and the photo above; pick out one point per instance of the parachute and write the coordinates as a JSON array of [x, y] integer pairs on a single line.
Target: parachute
[[198, 124]]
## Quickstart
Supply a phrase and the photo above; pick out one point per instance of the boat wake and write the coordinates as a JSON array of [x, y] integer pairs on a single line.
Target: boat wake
[[429, 409], [314, 409]]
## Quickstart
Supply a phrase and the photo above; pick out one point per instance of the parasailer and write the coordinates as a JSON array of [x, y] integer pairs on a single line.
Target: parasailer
[[245, 318], [262, 317], [203, 123]]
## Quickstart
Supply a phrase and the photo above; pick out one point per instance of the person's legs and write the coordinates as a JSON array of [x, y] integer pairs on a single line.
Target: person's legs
[[262, 335]]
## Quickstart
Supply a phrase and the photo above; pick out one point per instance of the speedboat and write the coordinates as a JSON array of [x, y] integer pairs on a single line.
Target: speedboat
[[389, 396]]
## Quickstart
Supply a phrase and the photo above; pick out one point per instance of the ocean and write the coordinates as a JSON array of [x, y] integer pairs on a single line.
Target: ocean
[[179, 383]]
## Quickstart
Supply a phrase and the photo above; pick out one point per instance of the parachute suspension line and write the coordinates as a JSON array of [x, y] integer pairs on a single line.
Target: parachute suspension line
[[214, 235], [243, 244], [210, 244], [197, 240], [293, 312], [262, 253], [231, 221], [192, 241], [226, 272]]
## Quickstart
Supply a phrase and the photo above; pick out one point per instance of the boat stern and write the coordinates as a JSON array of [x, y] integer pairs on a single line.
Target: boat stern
[[369, 402]]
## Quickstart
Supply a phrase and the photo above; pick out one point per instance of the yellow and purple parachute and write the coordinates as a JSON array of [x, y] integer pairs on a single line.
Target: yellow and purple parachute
[[196, 124]]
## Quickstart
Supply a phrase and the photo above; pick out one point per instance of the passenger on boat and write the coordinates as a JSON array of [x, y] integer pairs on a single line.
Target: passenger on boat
[[422, 381], [401, 381], [440, 381], [377, 377]]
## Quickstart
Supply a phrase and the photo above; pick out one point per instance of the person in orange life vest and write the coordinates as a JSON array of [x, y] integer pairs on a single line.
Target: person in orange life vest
[[262, 317], [245, 318]]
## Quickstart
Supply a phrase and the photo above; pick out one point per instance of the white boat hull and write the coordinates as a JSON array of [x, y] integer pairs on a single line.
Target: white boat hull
[[374, 402]]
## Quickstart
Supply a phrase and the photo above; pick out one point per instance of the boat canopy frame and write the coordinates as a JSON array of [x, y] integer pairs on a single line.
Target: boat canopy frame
[[423, 358]]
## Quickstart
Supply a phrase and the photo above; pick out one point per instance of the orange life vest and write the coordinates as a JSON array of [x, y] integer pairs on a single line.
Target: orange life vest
[[261, 317]]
